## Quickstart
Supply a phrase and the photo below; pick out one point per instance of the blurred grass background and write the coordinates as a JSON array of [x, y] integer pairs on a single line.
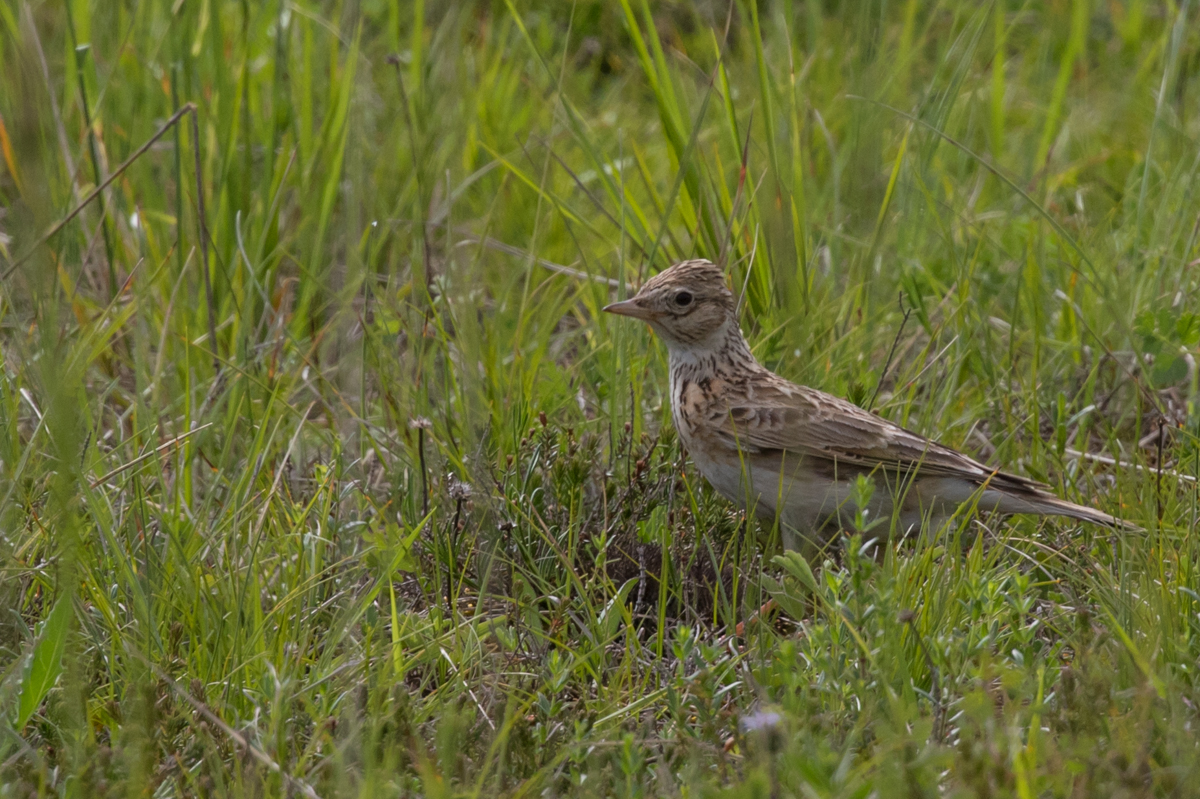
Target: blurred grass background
[[366, 498]]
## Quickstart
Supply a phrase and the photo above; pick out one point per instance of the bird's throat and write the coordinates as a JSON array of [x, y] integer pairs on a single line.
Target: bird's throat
[[724, 353]]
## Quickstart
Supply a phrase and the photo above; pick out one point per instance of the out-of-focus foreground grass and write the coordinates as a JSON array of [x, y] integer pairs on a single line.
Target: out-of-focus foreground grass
[[358, 493]]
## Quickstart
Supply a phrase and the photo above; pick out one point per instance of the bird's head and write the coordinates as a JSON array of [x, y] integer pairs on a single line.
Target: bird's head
[[688, 305]]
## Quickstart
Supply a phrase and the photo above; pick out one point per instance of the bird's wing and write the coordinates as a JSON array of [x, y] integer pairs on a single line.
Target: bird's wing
[[772, 414]]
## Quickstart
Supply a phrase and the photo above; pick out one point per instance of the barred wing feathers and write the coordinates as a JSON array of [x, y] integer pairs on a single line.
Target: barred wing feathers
[[769, 415]]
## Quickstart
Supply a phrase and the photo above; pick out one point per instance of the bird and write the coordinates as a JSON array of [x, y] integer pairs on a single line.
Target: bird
[[794, 454]]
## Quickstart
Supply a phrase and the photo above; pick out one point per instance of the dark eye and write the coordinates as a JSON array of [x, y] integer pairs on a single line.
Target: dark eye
[[683, 299]]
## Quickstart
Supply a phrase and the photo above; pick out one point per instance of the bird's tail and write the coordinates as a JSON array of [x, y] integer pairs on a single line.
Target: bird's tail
[[1048, 505]]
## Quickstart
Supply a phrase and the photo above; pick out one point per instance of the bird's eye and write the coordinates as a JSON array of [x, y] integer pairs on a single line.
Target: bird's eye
[[683, 299]]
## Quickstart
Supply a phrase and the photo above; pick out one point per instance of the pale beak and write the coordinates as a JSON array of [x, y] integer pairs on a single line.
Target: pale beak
[[629, 308]]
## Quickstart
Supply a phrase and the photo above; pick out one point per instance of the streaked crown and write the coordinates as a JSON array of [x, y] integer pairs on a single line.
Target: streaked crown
[[687, 304]]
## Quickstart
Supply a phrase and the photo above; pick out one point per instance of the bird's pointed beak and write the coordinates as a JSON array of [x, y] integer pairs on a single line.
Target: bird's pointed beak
[[629, 308]]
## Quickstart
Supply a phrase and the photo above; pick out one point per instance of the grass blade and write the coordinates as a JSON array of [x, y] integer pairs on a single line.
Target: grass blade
[[46, 664]]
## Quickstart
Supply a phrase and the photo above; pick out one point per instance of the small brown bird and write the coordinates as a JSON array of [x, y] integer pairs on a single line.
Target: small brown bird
[[793, 453]]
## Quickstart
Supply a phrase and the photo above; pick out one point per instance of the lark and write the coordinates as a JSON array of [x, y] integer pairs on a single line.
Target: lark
[[793, 454]]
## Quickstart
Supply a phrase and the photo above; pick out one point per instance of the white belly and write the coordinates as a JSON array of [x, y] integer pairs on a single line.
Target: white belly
[[809, 506], [797, 497]]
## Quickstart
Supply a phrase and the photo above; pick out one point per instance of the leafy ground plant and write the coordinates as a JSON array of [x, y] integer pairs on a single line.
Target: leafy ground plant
[[323, 475]]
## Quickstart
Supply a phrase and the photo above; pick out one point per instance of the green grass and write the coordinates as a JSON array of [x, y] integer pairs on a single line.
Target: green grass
[[389, 508]]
